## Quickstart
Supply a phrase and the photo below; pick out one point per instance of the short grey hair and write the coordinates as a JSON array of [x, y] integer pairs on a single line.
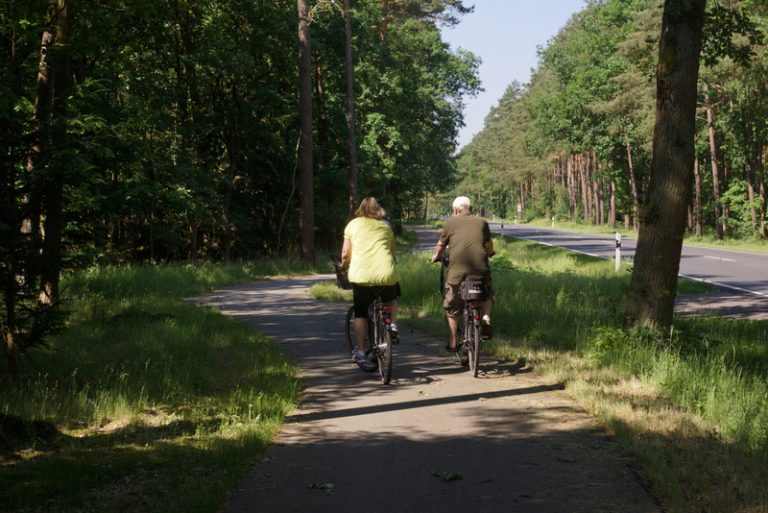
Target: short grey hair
[[461, 202]]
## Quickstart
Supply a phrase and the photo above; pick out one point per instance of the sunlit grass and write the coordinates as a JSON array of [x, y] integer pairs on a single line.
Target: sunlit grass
[[160, 403]]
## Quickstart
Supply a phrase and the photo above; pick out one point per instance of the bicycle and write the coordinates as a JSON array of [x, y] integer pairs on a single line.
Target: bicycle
[[378, 343], [473, 292]]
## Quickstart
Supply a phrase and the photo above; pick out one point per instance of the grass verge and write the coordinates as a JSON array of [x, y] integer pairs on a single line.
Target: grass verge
[[145, 402]]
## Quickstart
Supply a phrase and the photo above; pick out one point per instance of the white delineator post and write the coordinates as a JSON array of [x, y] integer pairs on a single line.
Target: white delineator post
[[618, 251]]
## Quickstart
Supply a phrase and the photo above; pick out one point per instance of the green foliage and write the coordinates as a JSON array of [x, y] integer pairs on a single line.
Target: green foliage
[[723, 27], [592, 97], [740, 208], [178, 143]]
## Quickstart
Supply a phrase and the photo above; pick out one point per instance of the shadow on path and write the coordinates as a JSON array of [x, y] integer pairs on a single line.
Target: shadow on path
[[436, 439]]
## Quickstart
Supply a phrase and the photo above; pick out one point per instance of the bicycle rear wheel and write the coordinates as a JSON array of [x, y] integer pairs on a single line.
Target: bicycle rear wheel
[[349, 326], [474, 349], [384, 353]]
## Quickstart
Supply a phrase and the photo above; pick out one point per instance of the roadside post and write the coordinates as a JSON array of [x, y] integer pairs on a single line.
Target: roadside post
[[502, 229], [618, 251], [553, 221]]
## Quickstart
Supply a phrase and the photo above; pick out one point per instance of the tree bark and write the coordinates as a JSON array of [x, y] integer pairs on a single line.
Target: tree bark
[[749, 178], [612, 214], [697, 214], [383, 26], [653, 286], [306, 191], [582, 168], [572, 192], [633, 185], [761, 188], [46, 223], [350, 109], [715, 171]]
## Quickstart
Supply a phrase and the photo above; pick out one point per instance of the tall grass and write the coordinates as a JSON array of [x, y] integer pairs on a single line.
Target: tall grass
[[691, 404], [160, 403], [542, 295]]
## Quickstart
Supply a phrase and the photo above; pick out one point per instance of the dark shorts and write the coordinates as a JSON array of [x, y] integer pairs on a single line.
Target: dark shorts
[[452, 302], [363, 296]]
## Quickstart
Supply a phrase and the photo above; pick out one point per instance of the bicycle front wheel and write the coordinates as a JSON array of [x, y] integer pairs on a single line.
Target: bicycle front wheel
[[474, 349], [384, 354]]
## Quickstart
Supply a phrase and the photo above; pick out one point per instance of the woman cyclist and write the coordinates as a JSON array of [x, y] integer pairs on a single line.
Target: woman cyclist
[[369, 252]]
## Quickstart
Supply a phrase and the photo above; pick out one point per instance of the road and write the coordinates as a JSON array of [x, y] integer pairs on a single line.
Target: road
[[733, 270], [435, 440]]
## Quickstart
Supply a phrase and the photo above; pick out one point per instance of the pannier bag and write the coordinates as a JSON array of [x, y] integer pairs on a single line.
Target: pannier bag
[[473, 288]]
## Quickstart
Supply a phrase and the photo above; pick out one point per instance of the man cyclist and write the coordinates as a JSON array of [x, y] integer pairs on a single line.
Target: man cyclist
[[466, 242], [369, 252]]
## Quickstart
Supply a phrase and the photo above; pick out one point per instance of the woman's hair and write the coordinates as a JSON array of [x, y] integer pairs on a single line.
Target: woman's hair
[[369, 207]]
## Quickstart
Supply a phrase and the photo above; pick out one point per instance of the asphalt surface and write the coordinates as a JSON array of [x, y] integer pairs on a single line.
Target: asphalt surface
[[736, 271], [435, 440], [740, 277]]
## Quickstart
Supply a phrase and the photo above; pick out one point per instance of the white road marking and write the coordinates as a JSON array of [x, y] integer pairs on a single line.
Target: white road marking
[[721, 259]]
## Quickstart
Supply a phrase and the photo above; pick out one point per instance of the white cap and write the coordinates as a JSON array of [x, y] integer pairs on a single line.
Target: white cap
[[461, 202]]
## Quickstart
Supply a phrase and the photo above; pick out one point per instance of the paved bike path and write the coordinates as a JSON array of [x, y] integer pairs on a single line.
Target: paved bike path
[[435, 440]]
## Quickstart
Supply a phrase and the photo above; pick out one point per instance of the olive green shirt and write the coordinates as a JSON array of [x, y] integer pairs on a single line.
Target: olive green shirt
[[465, 236]]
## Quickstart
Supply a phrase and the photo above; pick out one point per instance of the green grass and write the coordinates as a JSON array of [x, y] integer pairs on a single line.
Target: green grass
[[160, 404], [691, 405]]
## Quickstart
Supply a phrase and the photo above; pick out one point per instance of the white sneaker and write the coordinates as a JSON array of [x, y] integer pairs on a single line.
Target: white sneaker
[[394, 333], [358, 356]]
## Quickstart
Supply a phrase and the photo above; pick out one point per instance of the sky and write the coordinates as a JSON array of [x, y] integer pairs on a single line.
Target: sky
[[505, 35]]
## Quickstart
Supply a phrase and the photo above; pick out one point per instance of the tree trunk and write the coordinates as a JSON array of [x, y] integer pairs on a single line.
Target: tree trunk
[[749, 178], [383, 26], [584, 188], [760, 174], [350, 109], [9, 215], [41, 128], [715, 170], [697, 197], [600, 201], [761, 188], [612, 213], [11, 348], [47, 222], [306, 191], [633, 185], [653, 286], [572, 189], [724, 187]]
